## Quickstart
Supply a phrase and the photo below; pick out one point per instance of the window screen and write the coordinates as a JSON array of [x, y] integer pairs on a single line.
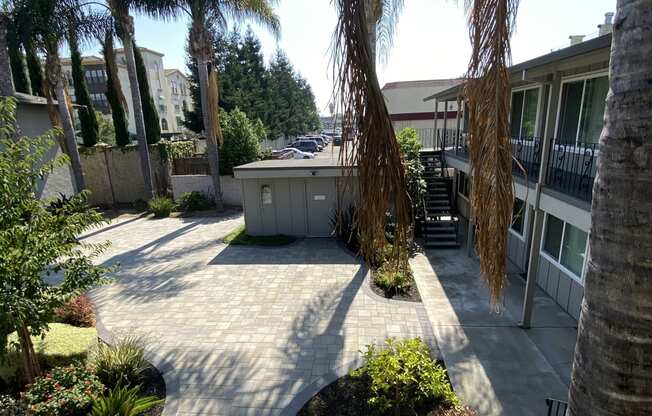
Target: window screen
[[571, 101], [595, 94], [552, 239], [573, 249]]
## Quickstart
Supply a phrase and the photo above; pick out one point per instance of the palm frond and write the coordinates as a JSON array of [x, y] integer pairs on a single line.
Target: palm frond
[[259, 11], [387, 13], [487, 91], [368, 141]]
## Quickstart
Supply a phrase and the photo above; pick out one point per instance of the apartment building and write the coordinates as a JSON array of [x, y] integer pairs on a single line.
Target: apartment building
[[168, 87], [404, 100], [557, 109]]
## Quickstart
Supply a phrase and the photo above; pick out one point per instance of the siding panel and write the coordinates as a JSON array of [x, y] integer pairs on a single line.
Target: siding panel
[[298, 206], [563, 290], [553, 281], [282, 204], [575, 299]]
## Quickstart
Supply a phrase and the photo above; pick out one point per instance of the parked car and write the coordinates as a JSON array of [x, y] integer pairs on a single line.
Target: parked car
[[320, 140], [337, 140], [293, 153], [310, 146]]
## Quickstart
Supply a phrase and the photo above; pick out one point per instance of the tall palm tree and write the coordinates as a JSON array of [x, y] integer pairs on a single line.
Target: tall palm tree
[[48, 22], [612, 369], [369, 142], [124, 23], [206, 15]]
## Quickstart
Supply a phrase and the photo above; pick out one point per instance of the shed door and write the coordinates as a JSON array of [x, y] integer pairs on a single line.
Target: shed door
[[321, 204]]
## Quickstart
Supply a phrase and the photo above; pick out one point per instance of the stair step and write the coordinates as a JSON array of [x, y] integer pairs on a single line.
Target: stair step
[[441, 244]]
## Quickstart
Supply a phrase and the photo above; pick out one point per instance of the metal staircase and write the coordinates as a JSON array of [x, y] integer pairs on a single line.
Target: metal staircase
[[440, 221]]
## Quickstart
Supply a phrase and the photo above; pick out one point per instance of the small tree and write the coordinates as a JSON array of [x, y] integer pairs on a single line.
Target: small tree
[[89, 126], [410, 146], [241, 140], [37, 239], [152, 126]]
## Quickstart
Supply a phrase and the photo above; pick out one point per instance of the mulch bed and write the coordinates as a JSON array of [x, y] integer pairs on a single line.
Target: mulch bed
[[411, 294], [348, 396], [153, 385]]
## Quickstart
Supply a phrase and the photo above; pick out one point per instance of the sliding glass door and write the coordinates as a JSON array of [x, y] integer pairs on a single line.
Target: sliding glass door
[[525, 104], [581, 111]]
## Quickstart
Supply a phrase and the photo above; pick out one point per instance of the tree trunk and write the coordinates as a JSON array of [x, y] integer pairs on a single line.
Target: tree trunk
[[612, 369], [30, 361], [55, 79], [200, 48], [145, 165]]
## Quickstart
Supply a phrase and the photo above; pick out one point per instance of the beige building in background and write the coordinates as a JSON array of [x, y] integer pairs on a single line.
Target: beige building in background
[[407, 108], [168, 87]]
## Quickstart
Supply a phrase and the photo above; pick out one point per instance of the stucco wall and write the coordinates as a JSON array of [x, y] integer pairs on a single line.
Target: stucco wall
[[231, 188], [113, 175], [33, 121]]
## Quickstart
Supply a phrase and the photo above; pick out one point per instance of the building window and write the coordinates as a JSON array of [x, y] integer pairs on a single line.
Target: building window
[[524, 113], [177, 109], [184, 105], [463, 184], [179, 122], [518, 216], [164, 124], [565, 244], [162, 108], [581, 111]]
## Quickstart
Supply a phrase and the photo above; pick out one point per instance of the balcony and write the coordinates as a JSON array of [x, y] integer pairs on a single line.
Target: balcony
[[571, 167]]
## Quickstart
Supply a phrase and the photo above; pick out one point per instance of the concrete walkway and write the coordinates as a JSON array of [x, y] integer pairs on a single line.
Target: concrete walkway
[[242, 330], [495, 367]]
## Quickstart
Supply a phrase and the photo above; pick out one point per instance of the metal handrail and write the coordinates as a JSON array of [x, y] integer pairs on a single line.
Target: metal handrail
[[556, 407]]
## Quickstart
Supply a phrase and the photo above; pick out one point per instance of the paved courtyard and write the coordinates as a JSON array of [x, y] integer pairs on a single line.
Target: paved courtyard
[[242, 330]]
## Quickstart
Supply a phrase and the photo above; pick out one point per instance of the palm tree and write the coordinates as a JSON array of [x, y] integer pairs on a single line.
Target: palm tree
[[613, 356], [48, 22], [205, 15], [124, 23], [369, 142]]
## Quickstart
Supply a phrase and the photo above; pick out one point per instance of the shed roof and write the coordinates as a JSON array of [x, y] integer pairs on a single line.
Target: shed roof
[[324, 164]]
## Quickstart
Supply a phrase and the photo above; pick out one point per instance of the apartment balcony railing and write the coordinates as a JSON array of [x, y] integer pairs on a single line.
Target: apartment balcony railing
[[571, 168]]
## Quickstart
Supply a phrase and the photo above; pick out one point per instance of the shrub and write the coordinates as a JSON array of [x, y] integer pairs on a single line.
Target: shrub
[[391, 278], [194, 201], [10, 406], [241, 142], [77, 312], [122, 363], [403, 376], [66, 391], [410, 146], [161, 206], [124, 401]]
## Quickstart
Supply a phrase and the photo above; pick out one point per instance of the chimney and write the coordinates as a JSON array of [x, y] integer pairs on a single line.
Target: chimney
[[6, 79], [575, 39], [607, 26]]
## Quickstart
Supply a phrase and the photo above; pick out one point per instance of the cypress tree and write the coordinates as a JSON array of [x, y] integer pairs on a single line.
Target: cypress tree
[[152, 126], [17, 60], [89, 124], [114, 94], [34, 69]]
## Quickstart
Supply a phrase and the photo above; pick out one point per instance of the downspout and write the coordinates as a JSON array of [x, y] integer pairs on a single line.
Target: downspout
[[537, 229]]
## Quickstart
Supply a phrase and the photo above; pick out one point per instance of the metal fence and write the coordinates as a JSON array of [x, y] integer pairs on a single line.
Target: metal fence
[[572, 168]]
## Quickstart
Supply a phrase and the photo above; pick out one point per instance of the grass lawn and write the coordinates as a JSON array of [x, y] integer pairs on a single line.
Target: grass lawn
[[241, 238], [62, 345]]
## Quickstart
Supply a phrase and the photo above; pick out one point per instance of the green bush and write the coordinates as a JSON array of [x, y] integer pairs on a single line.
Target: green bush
[[410, 147], [391, 278], [195, 201], [161, 206], [77, 311], [66, 391], [403, 376], [124, 401], [241, 141], [9, 406], [122, 363]]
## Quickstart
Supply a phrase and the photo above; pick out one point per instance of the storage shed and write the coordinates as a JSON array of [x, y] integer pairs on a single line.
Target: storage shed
[[295, 197]]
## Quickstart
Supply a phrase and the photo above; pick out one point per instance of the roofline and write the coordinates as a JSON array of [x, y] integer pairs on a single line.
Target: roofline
[[142, 48], [572, 51], [394, 84]]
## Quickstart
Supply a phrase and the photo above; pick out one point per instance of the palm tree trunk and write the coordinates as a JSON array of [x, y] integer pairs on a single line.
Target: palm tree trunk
[[612, 369], [55, 79], [126, 36], [30, 361]]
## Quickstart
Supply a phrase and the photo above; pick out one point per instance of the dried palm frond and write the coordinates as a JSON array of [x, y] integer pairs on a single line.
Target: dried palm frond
[[213, 105], [487, 91], [368, 141]]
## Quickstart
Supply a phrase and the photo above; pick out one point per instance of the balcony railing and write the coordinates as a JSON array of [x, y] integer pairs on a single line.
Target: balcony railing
[[571, 168]]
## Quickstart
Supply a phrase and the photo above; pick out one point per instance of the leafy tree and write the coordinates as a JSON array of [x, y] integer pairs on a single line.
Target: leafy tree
[[241, 140], [37, 239], [89, 125], [410, 146], [152, 122], [114, 94], [17, 58]]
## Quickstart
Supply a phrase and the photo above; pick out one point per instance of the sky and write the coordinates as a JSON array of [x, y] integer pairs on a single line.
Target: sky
[[431, 38]]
